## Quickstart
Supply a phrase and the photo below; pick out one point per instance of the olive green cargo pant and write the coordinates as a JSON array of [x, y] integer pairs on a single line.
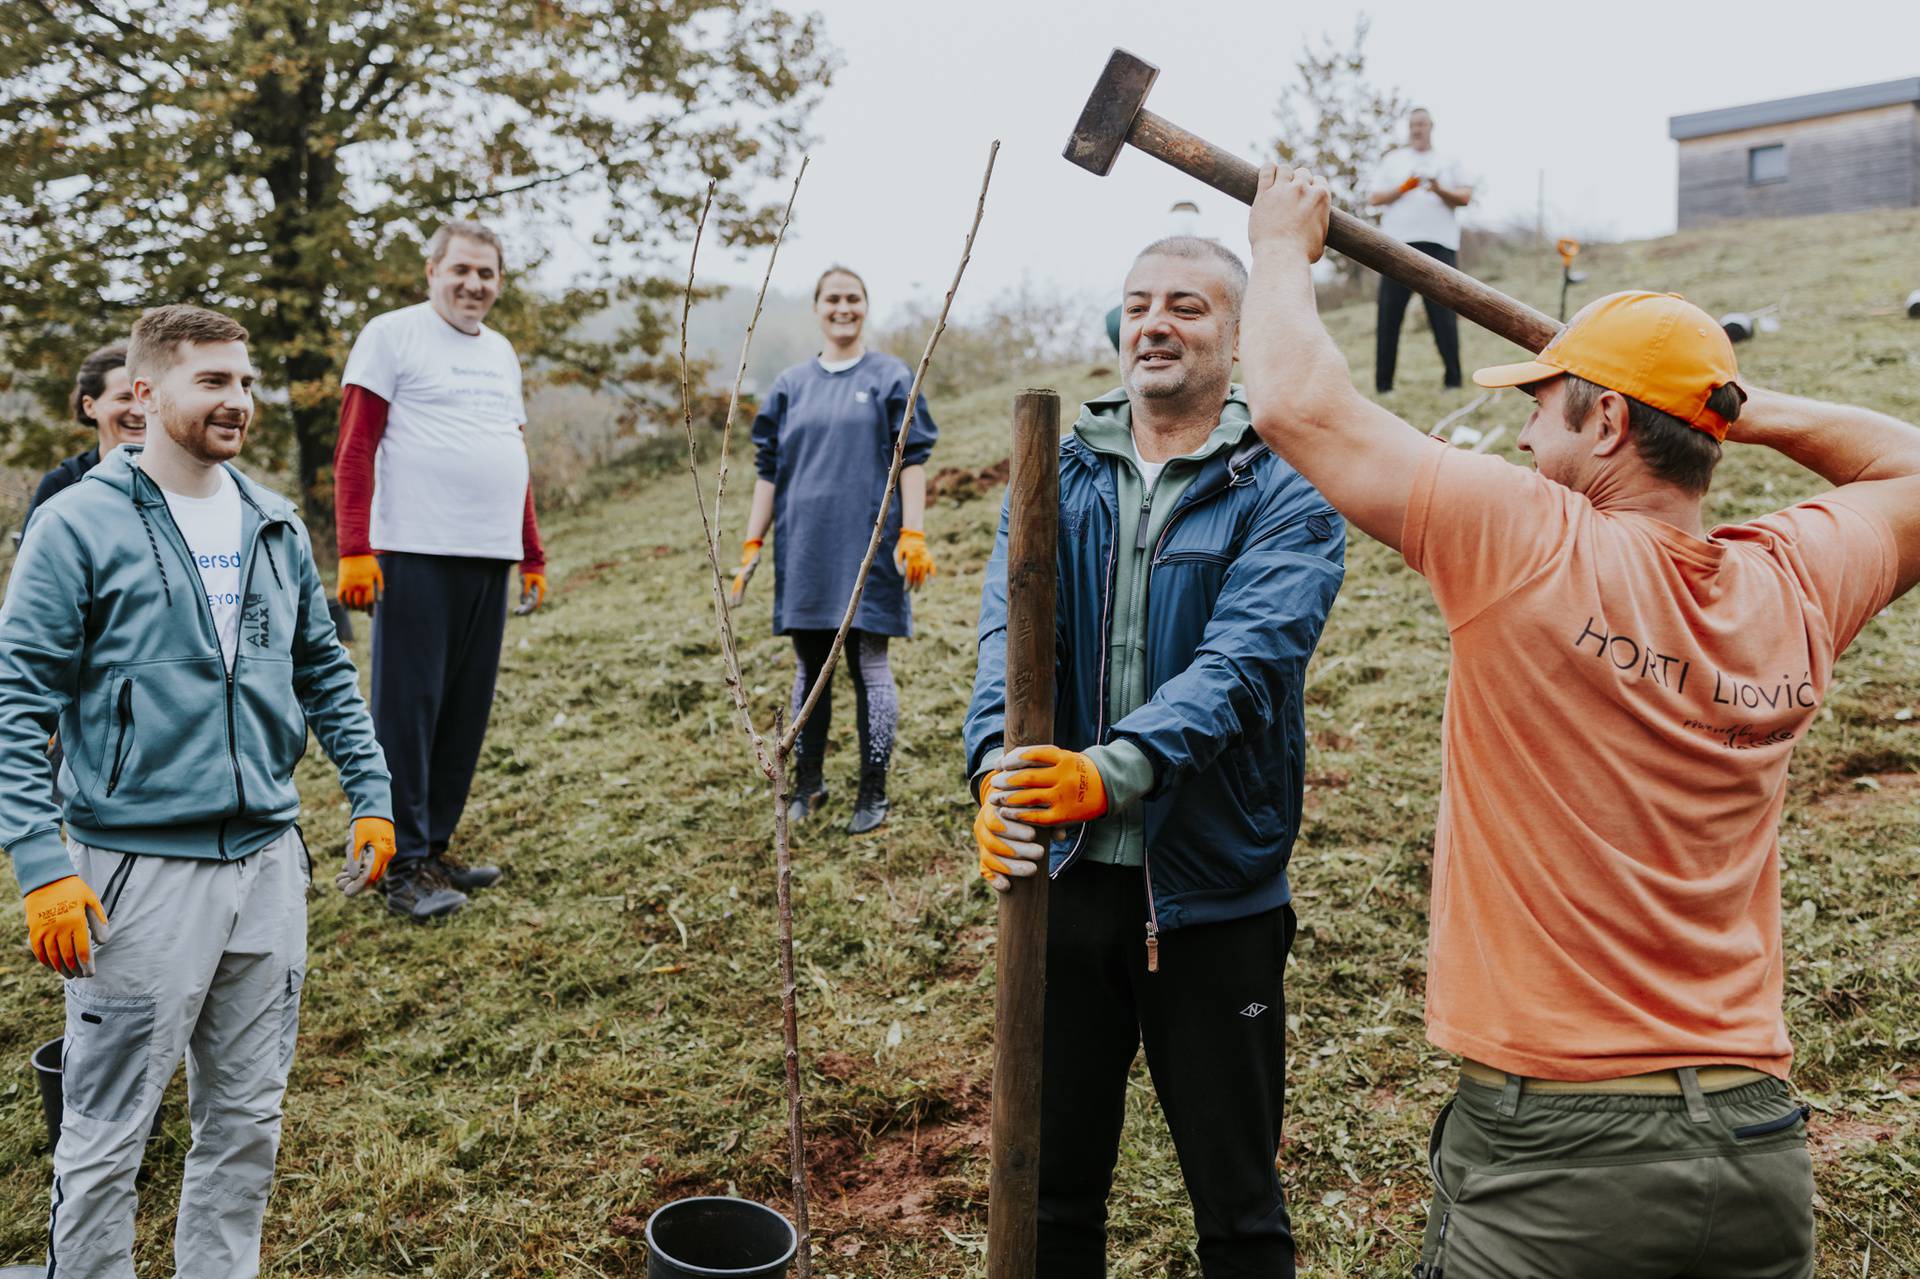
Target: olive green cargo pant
[[1602, 1186]]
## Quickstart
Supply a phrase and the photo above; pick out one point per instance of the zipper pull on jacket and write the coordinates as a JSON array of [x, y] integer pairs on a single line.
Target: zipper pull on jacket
[[1153, 947]]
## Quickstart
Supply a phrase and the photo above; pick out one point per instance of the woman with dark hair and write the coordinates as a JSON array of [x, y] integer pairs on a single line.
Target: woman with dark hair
[[823, 442], [102, 399]]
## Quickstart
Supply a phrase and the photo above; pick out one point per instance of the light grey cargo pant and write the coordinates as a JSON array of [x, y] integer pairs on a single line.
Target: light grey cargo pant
[[204, 958]]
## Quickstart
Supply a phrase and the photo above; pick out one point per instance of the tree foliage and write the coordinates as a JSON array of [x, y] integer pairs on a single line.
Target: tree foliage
[[1335, 121], [285, 160]]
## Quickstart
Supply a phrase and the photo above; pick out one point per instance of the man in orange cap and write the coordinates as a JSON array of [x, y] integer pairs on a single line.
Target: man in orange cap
[[1605, 950]]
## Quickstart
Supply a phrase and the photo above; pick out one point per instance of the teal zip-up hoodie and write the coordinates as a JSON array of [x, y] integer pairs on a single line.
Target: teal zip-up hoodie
[[106, 633]]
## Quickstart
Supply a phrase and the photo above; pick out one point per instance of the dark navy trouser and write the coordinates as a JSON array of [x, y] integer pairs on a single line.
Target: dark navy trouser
[[1214, 1023], [1394, 297], [436, 650]]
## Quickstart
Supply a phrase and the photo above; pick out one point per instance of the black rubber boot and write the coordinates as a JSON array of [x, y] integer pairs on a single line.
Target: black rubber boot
[[809, 785], [415, 889], [870, 808]]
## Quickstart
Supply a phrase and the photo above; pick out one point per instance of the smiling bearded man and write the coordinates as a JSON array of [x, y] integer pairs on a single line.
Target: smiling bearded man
[[1195, 572], [167, 615]]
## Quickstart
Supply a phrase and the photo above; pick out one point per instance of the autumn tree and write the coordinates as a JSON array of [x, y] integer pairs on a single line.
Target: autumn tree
[[285, 160], [1335, 121]]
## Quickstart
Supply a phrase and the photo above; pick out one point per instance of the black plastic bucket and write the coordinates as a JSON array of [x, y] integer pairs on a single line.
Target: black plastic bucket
[[714, 1235], [47, 1068]]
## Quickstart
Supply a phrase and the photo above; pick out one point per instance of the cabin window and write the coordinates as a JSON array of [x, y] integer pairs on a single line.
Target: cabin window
[[1767, 164]]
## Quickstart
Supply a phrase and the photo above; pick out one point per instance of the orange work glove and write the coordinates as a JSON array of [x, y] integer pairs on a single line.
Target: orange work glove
[[367, 855], [1007, 849], [57, 926], [360, 581], [1410, 184], [749, 561], [913, 559], [1048, 786], [533, 590]]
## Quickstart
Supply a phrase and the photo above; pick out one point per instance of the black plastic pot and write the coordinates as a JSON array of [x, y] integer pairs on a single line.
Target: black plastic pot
[[47, 1067], [714, 1235]]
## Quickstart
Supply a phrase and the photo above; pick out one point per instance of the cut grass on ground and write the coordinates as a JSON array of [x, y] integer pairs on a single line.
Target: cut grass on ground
[[511, 1094]]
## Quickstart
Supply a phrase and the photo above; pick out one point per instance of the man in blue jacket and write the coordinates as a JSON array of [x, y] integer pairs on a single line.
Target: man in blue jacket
[[1196, 570], [167, 616]]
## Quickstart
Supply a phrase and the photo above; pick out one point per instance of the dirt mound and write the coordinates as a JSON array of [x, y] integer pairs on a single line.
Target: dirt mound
[[962, 483], [902, 1177]]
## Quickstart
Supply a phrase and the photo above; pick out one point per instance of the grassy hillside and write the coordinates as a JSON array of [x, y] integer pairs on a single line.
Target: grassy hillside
[[511, 1094]]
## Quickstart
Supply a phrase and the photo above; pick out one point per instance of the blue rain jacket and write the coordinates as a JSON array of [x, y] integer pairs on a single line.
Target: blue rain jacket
[[826, 441], [1238, 589]]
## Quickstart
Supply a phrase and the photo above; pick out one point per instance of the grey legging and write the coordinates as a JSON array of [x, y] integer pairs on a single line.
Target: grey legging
[[876, 699]]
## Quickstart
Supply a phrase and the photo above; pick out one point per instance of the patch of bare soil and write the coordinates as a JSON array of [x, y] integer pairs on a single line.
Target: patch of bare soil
[[903, 1177], [591, 573], [963, 483], [1850, 795], [1830, 1138]]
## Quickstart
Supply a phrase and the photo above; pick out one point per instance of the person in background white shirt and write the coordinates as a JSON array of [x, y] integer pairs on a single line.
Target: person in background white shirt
[[434, 510], [1421, 191]]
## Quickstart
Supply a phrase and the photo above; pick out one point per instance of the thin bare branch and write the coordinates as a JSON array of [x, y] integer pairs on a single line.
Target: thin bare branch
[[723, 610], [740, 374], [736, 687], [792, 734], [790, 1010]]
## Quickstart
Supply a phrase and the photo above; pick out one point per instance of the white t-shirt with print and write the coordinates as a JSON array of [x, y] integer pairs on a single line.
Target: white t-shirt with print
[[211, 526], [1420, 215], [450, 476]]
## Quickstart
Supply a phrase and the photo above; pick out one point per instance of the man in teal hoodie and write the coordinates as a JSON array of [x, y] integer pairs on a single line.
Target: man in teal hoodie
[[168, 618]]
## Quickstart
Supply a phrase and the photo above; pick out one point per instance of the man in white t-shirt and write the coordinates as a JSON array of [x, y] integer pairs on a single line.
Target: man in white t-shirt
[[1421, 191], [434, 509]]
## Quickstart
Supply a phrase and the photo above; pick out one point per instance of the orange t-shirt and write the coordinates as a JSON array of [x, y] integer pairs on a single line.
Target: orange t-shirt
[[1623, 701]]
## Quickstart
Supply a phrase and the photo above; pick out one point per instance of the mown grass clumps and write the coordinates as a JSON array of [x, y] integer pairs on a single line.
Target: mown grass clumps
[[511, 1094]]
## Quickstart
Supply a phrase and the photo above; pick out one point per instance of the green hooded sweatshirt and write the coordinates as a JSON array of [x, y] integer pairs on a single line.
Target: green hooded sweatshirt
[[1106, 426], [106, 634]]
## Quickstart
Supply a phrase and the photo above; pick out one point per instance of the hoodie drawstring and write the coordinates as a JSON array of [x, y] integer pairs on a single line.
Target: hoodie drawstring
[[154, 545]]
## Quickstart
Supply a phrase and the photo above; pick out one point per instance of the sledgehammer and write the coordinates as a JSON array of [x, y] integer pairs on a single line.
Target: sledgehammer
[[1116, 115]]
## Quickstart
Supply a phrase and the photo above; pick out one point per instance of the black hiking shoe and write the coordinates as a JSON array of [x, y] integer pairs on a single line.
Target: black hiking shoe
[[415, 889], [462, 876], [870, 808], [803, 806], [809, 787]]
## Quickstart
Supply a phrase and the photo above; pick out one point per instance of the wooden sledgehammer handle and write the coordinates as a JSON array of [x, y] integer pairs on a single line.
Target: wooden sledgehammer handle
[[1364, 243]]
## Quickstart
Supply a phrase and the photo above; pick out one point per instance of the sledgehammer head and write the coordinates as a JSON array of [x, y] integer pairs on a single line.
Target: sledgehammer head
[[1109, 114]]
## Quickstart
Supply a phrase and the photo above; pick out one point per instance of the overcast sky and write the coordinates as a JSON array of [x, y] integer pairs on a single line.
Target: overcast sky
[[1580, 94]]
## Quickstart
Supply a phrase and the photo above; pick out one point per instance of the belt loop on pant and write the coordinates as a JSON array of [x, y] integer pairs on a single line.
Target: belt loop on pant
[[1696, 1100], [1510, 1097]]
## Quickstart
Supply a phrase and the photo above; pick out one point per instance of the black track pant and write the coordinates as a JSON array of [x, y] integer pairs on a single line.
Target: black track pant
[[876, 699], [1393, 309], [436, 651], [1214, 1022]]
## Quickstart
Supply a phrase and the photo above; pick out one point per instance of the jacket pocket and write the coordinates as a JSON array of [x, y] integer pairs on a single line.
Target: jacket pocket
[[123, 733], [270, 732], [290, 1017], [164, 760], [104, 1062]]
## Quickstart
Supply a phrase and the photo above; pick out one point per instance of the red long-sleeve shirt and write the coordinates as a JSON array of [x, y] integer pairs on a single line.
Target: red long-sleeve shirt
[[363, 419]]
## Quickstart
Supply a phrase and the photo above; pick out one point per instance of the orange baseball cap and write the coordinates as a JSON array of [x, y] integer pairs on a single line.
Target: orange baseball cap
[[1657, 348]]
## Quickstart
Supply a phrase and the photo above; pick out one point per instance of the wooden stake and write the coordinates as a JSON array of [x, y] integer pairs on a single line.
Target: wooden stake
[[1020, 984]]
